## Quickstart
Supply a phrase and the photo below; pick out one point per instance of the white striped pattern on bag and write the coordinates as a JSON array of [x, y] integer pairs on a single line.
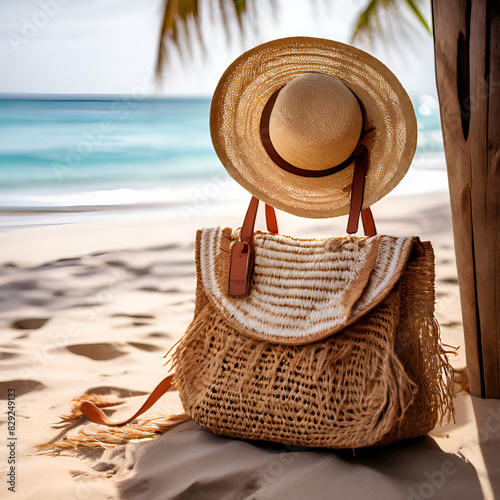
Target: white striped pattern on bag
[[304, 290]]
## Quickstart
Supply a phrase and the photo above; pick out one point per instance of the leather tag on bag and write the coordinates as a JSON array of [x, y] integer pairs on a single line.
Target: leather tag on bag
[[240, 267]]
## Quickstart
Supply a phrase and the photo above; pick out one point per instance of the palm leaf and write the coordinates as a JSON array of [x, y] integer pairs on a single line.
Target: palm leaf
[[366, 21], [369, 22], [181, 21], [418, 14]]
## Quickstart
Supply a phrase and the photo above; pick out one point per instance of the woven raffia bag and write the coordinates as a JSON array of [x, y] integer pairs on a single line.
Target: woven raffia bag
[[331, 343], [335, 345], [323, 343]]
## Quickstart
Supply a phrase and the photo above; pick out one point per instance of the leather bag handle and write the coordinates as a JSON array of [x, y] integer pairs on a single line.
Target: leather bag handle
[[95, 414], [241, 258]]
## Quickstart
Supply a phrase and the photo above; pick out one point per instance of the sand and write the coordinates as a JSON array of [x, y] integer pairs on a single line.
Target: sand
[[93, 307]]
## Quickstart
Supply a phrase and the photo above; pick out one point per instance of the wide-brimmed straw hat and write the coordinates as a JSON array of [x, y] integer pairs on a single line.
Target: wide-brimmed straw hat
[[289, 118]]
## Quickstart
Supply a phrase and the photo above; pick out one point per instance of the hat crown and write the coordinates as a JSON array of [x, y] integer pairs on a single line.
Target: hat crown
[[316, 122]]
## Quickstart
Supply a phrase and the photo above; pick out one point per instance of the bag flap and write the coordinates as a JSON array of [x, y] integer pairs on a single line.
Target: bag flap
[[302, 290]]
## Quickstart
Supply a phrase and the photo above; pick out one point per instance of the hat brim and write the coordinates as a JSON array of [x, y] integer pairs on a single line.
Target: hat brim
[[248, 83]]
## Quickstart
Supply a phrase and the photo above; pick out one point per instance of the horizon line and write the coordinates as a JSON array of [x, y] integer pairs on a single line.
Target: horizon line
[[49, 96]]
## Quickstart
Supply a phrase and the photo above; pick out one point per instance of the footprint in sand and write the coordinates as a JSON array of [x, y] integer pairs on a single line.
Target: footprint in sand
[[449, 281], [21, 386], [158, 335], [134, 316], [97, 352], [67, 262], [149, 289], [118, 391], [442, 262], [139, 271], [86, 272], [144, 347], [170, 246], [115, 263], [24, 285], [450, 324], [7, 355], [108, 468], [30, 323]]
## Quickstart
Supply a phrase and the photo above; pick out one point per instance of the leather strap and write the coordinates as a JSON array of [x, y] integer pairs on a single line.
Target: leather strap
[[246, 233], [272, 223], [249, 222], [358, 188], [241, 259], [368, 222], [92, 412]]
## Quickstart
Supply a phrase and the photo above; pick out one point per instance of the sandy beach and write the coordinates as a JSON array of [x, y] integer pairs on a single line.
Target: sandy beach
[[93, 307]]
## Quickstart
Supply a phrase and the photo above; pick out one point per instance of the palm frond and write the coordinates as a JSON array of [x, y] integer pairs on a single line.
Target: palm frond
[[181, 23], [240, 6], [224, 18], [369, 22], [366, 20], [413, 6]]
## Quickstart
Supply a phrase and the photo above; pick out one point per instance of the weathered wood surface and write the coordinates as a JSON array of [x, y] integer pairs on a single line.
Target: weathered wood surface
[[467, 54]]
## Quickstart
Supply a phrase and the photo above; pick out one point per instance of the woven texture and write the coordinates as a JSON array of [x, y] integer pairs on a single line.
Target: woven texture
[[383, 378]]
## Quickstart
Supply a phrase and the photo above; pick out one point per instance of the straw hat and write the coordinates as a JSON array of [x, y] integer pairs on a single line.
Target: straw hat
[[288, 116]]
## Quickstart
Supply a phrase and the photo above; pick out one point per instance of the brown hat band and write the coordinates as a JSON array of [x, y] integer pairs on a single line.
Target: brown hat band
[[282, 163], [359, 156]]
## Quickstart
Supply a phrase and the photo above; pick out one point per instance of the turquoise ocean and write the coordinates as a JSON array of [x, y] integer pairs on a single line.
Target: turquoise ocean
[[65, 160]]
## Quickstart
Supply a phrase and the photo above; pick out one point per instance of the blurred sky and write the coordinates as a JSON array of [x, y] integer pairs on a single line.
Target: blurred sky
[[109, 46]]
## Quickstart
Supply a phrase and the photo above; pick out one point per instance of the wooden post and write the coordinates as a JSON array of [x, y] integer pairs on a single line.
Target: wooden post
[[467, 55]]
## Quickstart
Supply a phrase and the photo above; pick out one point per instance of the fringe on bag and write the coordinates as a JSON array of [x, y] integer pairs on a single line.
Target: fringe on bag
[[357, 392]]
